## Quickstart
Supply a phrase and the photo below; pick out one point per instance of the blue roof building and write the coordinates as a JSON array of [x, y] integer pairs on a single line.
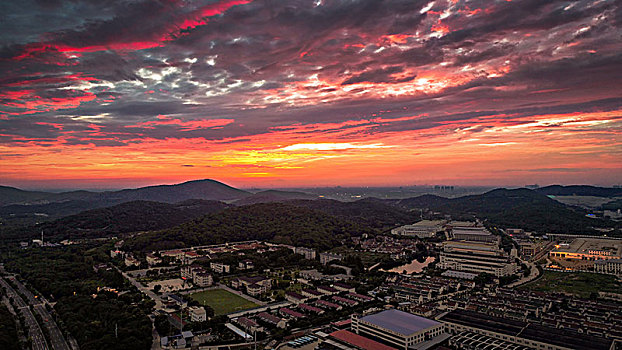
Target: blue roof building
[[397, 328]]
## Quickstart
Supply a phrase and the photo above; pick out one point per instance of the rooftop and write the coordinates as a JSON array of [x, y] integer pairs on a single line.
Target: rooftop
[[544, 334], [358, 341], [399, 321]]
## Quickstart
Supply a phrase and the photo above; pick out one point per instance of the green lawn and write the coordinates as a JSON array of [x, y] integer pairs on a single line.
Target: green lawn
[[578, 283], [222, 301]]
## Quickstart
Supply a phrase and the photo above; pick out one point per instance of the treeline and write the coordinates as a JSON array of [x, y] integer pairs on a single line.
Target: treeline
[[275, 222], [521, 208], [119, 219], [370, 212], [8, 330], [66, 275]]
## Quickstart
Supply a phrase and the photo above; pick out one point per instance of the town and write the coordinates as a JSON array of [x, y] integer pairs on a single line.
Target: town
[[433, 284]]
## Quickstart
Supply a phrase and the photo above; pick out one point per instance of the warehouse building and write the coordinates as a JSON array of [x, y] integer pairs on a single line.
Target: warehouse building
[[523, 333]]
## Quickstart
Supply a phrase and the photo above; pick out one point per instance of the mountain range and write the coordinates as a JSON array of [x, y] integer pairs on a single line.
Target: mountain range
[[90, 214]]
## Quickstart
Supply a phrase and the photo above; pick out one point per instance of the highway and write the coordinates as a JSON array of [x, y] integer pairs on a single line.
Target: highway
[[57, 339], [34, 330]]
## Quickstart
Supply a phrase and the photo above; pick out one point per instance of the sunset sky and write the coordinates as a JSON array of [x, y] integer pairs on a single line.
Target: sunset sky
[[286, 93]]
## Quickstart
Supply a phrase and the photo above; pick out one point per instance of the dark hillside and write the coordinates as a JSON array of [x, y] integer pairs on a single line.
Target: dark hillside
[[275, 222]]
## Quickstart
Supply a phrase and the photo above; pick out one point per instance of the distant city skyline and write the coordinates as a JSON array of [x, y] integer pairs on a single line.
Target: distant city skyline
[[72, 185], [310, 93]]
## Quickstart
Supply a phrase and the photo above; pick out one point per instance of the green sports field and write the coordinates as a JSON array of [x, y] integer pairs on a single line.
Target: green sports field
[[222, 301]]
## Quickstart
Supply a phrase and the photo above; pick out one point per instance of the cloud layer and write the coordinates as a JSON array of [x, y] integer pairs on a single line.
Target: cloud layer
[[288, 93]]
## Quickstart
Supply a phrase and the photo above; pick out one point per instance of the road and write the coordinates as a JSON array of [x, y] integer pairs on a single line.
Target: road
[[533, 274], [57, 339], [34, 330], [146, 290]]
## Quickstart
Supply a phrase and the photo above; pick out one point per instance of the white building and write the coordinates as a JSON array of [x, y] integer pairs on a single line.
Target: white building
[[131, 261], [476, 257], [153, 260], [308, 253], [474, 234], [327, 257], [197, 314], [421, 229], [203, 279], [219, 267]]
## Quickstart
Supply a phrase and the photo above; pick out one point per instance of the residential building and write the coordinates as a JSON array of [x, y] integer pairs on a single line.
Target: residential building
[[308, 253], [153, 260], [327, 257], [360, 297], [220, 267], [189, 257], [328, 305], [311, 275], [249, 325], [399, 329], [246, 265], [197, 314], [327, 290], [343, 287], [309, 308], [203, 279], [131, 261], [287, 312], [271, 319], [175, 254], [253, 285], [310, 293], [344, 301], [477, 257], [294, 297]]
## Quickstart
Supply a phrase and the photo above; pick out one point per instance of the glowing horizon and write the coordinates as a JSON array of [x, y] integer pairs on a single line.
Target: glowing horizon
[[308, 94]]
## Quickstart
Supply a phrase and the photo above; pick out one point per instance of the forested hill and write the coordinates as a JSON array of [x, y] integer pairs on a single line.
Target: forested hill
[[123, 218], [275, 222], [372, 212], [521, 208], [198, 189], [274, 196], [581, 190], [18, 207]]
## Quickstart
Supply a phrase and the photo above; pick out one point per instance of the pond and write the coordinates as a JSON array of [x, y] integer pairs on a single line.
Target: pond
[[413, 267]]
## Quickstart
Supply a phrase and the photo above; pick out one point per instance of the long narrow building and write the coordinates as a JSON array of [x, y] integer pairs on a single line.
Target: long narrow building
[[477, 257]]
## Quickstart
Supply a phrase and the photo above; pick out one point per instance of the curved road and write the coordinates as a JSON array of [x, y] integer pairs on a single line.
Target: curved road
[[34, 330], [57, 339]]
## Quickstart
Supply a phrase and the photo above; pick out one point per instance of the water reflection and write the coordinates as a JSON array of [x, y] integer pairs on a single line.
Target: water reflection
[[413, 267]]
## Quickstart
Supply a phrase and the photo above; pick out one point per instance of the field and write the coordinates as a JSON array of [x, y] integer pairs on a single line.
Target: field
[[222, 301], [581, 283]]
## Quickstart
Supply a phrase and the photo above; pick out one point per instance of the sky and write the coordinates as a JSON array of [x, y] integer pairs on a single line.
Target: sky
[[109, 94]]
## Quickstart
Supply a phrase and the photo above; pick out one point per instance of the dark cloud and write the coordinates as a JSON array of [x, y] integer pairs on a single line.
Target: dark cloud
[[281, 63]]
